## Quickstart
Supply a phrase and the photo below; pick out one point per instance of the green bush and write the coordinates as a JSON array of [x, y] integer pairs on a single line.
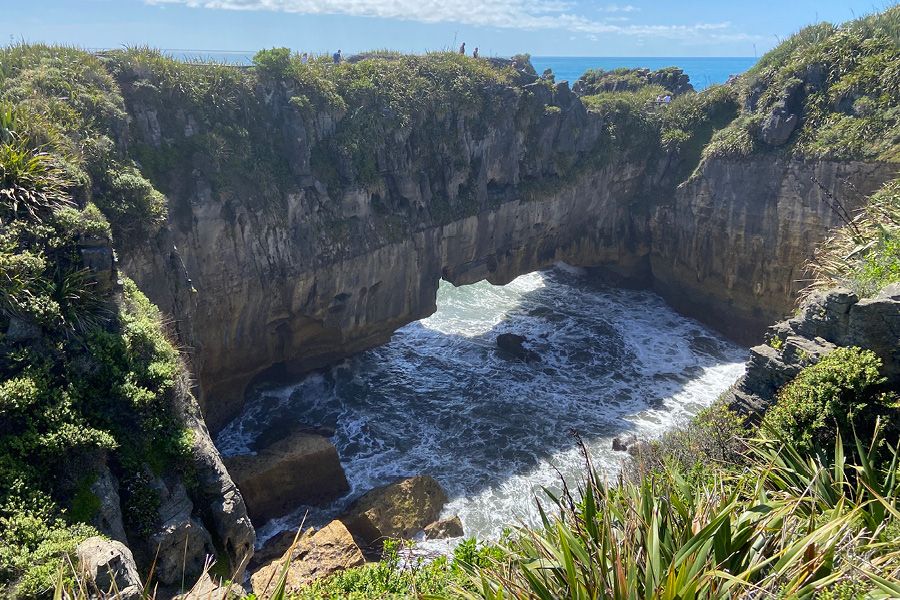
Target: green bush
[[843, 88], [713, 440], [397, 576], [135, 208], [274, 62], [785, 526], [837, 395]]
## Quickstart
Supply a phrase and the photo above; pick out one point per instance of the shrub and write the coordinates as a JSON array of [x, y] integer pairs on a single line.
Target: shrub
[[398, 575], [837, 395], [713, 439], [787, 526], [274, 62], [135, 208]]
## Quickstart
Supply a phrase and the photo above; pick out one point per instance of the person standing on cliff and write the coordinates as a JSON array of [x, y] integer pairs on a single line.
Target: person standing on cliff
[[304, 58], [462, 49], [338, 57], [475, 54]]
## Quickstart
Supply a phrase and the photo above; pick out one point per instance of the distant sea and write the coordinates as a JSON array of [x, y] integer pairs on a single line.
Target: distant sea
[[703, 71]]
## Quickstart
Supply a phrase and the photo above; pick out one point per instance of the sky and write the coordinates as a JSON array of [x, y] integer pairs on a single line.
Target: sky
[[498, 27]]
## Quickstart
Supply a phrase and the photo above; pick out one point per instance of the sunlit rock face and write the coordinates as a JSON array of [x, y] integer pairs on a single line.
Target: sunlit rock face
[[281, 277]]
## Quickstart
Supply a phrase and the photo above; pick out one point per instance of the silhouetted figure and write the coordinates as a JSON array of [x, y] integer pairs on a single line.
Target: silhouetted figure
[[475, 54], [462, 49], [304, 58], [338, 57]]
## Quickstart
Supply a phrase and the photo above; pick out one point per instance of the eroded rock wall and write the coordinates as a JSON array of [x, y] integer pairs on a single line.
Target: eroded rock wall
[[730, 245], [325, 273], [332, 265]]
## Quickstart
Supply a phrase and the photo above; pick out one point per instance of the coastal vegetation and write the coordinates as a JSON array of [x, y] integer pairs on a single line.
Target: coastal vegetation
[[87, 374], [804, 504]]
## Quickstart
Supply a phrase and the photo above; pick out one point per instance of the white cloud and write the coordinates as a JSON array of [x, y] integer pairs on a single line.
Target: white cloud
[[618, 8], [507, 14]]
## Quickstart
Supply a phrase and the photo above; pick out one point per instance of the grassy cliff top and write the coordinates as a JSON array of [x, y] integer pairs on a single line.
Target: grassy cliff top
[[828, 91]]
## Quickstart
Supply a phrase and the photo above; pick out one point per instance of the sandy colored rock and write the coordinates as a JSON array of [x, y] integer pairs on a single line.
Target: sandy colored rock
[[302, 468], [396, 510], [445, 528], [326, 551], [212, 588]]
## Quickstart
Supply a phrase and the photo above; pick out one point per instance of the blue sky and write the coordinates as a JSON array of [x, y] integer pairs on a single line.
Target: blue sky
[[498, 27]]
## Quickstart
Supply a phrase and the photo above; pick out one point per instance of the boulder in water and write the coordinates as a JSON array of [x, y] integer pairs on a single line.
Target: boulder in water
[[622, 443], [397, 510], [302, 468], [315, 555], [445, 528], [514, 345]]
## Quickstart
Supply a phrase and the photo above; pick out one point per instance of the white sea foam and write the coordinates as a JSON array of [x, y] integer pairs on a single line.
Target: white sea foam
[[439, 398]]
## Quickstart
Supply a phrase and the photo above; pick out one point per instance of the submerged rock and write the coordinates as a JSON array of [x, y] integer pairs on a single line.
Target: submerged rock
[[108, 569], [315, 555], [513, 345], [622, 443], [302, 468], [445, 528], [396, 510]]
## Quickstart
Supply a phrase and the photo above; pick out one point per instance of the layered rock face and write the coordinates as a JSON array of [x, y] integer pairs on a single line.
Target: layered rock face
[[729, 246], [335, 264], [825, 321], [332, 272]]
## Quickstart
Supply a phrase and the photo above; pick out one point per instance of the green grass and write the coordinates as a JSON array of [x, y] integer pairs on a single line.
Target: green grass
[[90, 376], [842, 81], [864, 254]]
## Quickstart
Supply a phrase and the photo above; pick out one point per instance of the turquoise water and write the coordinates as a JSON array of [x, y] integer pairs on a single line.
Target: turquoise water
[[703, 71]]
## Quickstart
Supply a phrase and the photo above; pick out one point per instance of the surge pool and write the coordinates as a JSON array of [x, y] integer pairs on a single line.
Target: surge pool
[[440, 399]]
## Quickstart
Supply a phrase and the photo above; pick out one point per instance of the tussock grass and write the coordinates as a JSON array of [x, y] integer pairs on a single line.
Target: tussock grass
[[864, 254]]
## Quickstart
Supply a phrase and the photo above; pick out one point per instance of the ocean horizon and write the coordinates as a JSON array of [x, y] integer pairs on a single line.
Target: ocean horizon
[[703, 71]]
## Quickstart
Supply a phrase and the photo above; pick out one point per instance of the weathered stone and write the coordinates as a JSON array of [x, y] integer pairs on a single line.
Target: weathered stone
[[874, 323], [396, 510], [275, 547], [108, 519], [212, 588], [622, 443], [338, 268], [825, 321], [327, 551], [445, 528], [109, 569], [302, 468], [779, 125], [728, 248], [181, 544], [514, 345], [222, 505]]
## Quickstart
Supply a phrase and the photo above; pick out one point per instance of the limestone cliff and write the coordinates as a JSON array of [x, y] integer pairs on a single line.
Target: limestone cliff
[[329, 256], [730, 245], [837, 317]]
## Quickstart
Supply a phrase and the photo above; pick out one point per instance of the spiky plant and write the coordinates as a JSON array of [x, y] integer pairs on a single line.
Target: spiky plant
[[864, 255], [788, 526]]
